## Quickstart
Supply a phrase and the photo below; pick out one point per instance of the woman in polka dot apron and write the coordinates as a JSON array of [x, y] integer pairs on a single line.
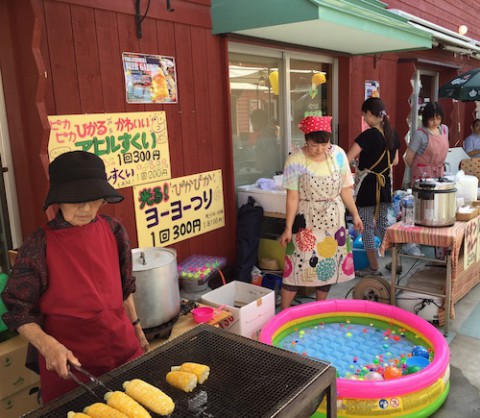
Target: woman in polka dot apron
[[319, 187]]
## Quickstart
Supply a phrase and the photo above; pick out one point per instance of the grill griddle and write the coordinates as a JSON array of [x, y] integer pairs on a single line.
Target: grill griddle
[[248, 379]]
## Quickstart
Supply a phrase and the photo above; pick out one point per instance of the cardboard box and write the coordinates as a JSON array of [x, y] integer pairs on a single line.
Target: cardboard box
[[274, 201], [251, 307], [21, 402], [14, 376]]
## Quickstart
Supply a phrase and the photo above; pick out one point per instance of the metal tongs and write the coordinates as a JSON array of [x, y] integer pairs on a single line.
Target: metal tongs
[[92, 378]]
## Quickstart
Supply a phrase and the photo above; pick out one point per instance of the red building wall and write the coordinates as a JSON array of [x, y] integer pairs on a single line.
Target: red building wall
[[64, 57], [394, 72]]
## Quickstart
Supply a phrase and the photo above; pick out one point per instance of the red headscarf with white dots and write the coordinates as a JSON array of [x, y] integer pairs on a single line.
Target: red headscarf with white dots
[[316, 123]]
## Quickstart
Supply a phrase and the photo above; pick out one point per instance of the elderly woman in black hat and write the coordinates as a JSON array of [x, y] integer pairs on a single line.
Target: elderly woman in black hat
[[70, 291]]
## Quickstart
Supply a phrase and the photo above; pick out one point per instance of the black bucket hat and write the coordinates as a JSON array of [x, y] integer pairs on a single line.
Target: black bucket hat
[[78, 177]]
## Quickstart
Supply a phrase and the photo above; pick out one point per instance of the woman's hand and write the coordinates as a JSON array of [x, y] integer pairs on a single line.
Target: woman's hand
[[409, 157], [57, 357], [286, 237], [357, 223], [141, 338]]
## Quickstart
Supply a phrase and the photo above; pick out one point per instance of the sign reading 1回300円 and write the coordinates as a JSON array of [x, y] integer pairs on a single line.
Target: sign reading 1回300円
[[173, 210]]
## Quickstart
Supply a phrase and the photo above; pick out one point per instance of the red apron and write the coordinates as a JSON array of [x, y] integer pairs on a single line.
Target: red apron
[[83, 305], [431, 161]]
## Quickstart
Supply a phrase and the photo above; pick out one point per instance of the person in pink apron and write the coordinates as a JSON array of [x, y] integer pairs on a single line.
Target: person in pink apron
[[428, 148], [426, 153], [70, 291]]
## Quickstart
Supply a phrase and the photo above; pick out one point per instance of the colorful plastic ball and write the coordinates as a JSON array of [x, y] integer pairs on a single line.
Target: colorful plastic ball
[[417, 361], [413, 369], [420, 351], [373, 376], [392, 372]]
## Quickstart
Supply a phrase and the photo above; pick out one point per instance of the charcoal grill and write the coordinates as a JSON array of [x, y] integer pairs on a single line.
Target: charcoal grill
[[248, 379]]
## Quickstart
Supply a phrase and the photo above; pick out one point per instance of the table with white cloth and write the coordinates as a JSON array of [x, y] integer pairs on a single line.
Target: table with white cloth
[[462, 259]]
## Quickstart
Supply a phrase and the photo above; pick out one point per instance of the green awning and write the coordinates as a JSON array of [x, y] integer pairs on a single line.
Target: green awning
[[349, 26]]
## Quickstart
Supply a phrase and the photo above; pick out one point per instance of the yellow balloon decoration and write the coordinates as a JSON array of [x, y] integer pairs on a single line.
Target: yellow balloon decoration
[[318, 78], [273, 78]]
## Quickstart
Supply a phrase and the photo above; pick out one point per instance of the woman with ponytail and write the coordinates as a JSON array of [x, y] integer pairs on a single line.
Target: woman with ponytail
[[377, 151]]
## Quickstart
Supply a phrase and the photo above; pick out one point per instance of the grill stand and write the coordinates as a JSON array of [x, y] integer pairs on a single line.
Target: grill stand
[[247, 379]]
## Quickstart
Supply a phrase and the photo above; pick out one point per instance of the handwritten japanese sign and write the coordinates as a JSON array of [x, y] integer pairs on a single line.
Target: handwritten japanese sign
[[177, 209], [133, 146], [470, 245], [149, 78]]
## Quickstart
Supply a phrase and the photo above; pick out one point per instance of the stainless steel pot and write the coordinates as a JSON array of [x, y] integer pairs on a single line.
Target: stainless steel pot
[[157, 298], [435, 202]]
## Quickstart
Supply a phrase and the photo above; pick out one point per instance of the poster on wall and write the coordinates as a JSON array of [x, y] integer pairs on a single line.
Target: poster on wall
[[372, 89], [174, 210], [149, 78], [133, 146]]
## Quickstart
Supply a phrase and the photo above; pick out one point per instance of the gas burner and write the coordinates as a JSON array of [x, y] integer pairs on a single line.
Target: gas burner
[[161, 331], [186, 306]]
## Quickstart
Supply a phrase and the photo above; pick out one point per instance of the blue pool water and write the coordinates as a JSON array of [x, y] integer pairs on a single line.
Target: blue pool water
[[353, 349]]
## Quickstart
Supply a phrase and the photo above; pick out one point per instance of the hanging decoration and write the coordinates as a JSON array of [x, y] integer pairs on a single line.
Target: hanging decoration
[[317, 79], [273, 78]]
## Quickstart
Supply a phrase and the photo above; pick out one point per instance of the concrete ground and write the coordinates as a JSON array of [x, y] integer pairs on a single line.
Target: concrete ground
[[463, 400]]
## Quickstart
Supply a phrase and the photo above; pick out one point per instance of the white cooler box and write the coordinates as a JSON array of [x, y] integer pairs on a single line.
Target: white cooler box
[[270, 200], [251, 307]]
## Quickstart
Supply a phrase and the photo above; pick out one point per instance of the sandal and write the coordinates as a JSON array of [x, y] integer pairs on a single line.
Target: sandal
[[399, 268], [368, 272]]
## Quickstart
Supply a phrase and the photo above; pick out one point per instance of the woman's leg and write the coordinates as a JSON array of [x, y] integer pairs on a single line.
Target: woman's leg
[[368, 237], [288, 294], [382, 223], [321, 292]]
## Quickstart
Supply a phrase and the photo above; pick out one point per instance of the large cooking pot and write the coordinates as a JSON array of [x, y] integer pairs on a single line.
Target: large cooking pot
[[435, 202], [157, 298]]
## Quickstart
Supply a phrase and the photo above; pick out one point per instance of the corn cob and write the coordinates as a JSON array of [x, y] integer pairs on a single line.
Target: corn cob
[[182, 380], [200, 370], [149, 396], [72, 414], [100, 410], [124, 403]]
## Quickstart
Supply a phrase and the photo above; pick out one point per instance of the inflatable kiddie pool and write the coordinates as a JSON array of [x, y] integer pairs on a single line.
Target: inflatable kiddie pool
[[417, 392]]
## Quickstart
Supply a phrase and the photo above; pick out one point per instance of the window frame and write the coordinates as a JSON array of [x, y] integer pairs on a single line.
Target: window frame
[[285, 56]]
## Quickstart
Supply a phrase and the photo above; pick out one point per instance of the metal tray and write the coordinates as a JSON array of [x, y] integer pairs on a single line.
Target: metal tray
[[247, 379]]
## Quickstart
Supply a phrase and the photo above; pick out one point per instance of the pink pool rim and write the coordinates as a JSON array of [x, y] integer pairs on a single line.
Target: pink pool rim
[[371, 389]]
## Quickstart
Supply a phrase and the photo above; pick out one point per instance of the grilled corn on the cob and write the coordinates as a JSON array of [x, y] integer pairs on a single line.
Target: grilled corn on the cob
[[182, 380], [124, 403], [72, 414], [200, 370], [149, 396], [100, 410]]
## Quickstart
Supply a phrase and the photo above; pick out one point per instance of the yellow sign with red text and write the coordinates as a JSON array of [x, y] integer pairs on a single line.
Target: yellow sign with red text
[[133, 146]]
